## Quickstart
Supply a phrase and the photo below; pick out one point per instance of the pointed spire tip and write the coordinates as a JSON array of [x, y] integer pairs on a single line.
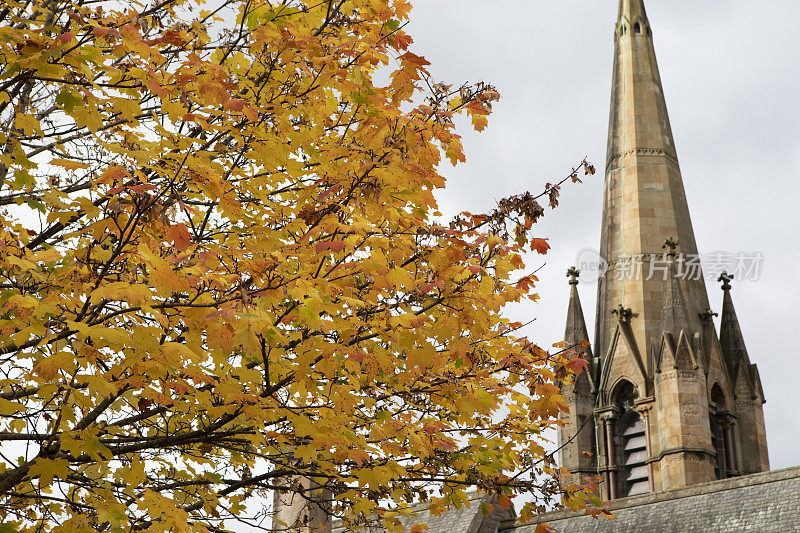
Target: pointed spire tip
[[630, 10]]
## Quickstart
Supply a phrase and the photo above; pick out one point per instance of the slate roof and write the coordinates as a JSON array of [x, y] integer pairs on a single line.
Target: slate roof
[[768, 502], [468, 519]]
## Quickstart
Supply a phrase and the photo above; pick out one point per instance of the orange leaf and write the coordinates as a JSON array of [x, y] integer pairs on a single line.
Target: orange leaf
[[113, 173], [64, 38], [335, 246], [415, 60], [156, 88], [234, 104], [479, 122], [180, 236], [540, 245]]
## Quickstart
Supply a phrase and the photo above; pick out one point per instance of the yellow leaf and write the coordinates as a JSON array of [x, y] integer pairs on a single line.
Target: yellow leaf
[[128, 107], [8, 408], [88, 117], [47, 469], [29, 125], [69, 164], [479, 122]]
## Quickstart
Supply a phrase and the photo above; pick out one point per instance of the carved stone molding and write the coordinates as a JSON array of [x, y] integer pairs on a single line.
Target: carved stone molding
[[650, 152]]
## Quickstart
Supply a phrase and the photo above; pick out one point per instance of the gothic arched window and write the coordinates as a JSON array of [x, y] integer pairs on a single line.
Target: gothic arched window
[[631, 443], [637, 28]]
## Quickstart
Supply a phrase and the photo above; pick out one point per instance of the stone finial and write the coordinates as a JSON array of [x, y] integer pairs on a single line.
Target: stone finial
[[726, 279], [671, 245], [623, 314], [573, 273]]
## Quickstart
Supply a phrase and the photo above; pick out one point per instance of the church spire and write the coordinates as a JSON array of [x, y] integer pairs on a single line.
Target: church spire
[[653, 351], [748, 390], [659, 360], [730, 335], [644, 199]]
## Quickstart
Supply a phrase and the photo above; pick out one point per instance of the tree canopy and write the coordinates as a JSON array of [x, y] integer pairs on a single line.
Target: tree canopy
[[222, 267]]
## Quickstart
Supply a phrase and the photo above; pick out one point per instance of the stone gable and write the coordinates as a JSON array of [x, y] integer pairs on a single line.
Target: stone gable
[[468, 519]]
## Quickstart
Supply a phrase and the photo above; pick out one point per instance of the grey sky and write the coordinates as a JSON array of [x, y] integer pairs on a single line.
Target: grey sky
[[730, 72]]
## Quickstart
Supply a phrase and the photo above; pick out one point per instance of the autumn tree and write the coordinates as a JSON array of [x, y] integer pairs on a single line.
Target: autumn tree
[[222, 270]]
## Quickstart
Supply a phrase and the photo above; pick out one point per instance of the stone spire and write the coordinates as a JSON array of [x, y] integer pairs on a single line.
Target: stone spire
[[644, 198], [576, 331], [301, 506], [577, 454], [748, 390], [730, 335]]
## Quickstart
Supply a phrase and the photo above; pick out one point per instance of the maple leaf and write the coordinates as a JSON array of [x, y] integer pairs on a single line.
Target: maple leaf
[[540, 245], [402, 9], [180, 236], [156, 88], [234, 104], [334, 246], [479, 122]]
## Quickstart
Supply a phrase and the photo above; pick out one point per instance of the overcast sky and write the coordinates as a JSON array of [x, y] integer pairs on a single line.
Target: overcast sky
[[730, 70]]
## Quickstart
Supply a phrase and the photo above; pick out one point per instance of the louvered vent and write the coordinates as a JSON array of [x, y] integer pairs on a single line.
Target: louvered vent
[[634, 448]]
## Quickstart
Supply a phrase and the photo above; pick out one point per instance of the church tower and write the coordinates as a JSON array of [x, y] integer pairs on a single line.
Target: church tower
[[674, 404]]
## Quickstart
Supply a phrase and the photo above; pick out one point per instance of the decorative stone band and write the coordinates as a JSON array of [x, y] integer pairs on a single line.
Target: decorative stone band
[[681, 449], [652, 152], [658, 257]]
